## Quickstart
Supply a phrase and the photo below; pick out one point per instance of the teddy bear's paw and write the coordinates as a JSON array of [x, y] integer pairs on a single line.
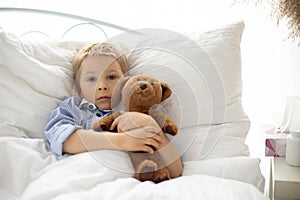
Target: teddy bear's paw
[[172, 129], [100, 127], [146, 170], [161, 175]]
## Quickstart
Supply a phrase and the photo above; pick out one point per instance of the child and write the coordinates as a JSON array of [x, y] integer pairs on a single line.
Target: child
[[97, 70]]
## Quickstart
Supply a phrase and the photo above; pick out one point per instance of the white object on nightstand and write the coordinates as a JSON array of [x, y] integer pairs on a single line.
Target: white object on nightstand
[[285, 180], [293, 149]]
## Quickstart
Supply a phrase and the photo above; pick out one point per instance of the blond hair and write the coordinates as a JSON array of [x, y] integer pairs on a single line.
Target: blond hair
[[99, 49]]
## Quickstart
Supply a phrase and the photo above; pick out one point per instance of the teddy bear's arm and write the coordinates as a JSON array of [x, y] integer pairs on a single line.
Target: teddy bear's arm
[[105, 123], [166, 124], [170, 127]]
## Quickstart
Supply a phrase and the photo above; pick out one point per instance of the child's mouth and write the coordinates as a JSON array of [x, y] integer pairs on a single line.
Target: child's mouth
[[103, 98]]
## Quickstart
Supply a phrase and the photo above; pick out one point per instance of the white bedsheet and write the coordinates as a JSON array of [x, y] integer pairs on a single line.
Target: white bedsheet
[[29, 171]]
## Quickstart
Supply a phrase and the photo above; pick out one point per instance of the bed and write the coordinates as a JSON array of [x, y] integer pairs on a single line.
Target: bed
[[204, 71]]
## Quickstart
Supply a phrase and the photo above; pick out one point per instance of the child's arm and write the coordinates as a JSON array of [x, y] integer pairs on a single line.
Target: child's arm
[[66, 134], [87, 140]]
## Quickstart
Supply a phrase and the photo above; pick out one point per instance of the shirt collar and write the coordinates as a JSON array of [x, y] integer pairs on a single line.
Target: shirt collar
[[88, 105]]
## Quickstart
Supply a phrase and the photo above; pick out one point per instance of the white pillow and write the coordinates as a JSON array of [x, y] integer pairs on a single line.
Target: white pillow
[[204, 71], [34, 78]]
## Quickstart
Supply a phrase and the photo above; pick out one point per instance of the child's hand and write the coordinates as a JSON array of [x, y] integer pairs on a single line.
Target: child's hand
[[128, 142], [132, 140], [142, 131]]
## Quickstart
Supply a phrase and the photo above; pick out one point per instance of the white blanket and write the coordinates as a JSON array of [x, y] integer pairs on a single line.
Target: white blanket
[[28, 170]]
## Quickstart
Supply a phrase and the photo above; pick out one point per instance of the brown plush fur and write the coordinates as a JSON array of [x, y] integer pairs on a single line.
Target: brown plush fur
[[141, 93]]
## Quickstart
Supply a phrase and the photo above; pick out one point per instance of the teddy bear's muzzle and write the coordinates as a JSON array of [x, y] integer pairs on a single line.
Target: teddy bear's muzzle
[[143, 86], [144, 89], [148, 92]]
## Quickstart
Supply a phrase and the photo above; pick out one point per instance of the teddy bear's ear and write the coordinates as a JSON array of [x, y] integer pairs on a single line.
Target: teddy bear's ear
[[166, 91], [122, 82], [117, 93]]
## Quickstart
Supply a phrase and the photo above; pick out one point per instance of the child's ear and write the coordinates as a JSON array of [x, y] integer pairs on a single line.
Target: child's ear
[[117, 93], [166, 91]]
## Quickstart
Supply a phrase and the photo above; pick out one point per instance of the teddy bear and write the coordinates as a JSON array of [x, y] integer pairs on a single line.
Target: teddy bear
[[143, 93]]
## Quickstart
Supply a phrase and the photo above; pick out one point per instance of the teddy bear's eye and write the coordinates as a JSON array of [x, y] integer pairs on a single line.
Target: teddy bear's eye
[[153, 82]]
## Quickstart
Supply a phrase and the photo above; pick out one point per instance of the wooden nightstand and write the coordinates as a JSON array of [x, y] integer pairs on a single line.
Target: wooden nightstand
[[284, 180]]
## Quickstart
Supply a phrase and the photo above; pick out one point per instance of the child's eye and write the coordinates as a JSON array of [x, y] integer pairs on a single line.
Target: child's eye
[[111, 77], [91, 79]]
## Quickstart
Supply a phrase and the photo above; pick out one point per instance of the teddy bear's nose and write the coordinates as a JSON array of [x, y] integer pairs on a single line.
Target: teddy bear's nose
[[143, 86]]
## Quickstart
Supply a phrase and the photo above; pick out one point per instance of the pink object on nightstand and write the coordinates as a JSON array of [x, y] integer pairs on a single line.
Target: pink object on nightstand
[[275, 144]]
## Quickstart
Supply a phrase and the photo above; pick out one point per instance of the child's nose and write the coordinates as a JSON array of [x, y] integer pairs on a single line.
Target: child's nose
[[102, 86]]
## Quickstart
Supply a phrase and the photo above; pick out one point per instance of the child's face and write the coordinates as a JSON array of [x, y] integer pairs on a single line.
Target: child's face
[[98, 78]]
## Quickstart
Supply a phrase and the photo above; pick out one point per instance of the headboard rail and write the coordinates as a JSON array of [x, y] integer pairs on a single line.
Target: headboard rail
[[46, 24]]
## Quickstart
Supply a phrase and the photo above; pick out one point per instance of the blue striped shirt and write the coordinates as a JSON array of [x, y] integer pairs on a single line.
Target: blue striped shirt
[[71, 114]]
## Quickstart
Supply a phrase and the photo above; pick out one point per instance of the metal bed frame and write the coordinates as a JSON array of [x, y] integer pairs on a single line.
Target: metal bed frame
[[81, 21]]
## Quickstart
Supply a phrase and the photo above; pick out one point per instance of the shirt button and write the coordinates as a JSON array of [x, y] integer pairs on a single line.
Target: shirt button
[[91, 106], [98, 114]]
